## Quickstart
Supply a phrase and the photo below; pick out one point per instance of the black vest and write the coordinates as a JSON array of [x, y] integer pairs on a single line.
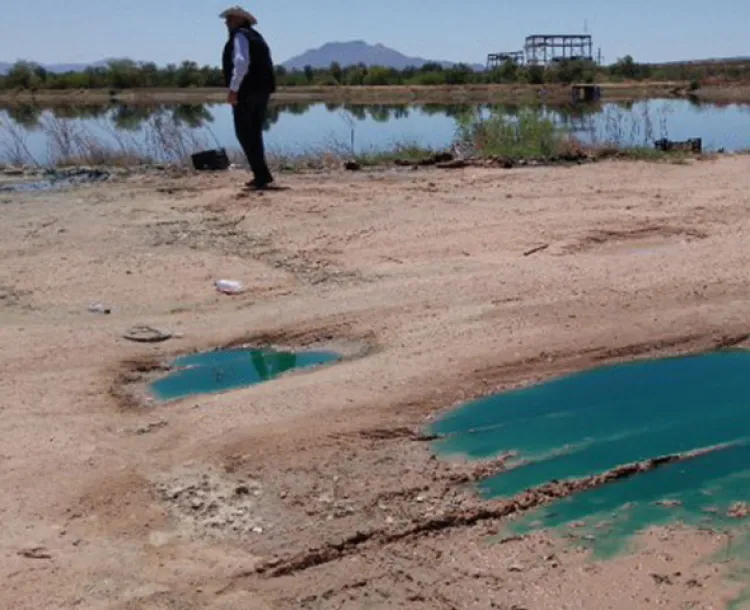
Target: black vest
[[261, 76]]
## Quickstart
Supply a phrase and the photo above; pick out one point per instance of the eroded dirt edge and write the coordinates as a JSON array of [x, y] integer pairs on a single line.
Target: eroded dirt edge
[[359, 489]]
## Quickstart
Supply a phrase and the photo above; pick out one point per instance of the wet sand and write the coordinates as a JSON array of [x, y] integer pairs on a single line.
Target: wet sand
[[317, 490]]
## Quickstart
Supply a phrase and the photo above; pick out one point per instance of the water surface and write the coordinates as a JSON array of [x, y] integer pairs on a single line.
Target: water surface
[[221, 371], [168, 132], [593, 421]]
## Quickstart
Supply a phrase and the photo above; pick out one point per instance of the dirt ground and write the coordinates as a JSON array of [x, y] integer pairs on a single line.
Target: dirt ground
[[318, 490]]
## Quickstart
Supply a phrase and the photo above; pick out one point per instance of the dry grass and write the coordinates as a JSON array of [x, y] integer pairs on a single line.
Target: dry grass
[[69, 143]]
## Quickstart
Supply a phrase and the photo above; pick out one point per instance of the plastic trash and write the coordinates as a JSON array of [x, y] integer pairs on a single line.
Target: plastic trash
[[99, 308], [229, 286], [147, 334]]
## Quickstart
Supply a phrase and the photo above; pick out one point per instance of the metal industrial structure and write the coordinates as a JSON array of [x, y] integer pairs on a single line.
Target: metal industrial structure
[[545, 49], [495, 60]]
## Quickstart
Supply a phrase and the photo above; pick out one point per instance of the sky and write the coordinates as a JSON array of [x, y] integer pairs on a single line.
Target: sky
[[164, 31]]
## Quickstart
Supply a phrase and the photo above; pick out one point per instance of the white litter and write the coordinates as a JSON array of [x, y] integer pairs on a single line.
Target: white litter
[[99, 308], [229, 286]]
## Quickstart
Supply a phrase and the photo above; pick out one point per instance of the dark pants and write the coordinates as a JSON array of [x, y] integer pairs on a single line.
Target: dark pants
[[249, 117]]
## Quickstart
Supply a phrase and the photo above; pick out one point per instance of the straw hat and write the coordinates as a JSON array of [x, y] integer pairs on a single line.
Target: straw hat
[[238, 11]]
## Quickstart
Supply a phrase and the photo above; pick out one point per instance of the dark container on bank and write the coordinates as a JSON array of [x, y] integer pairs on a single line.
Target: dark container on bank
[[211, 160]]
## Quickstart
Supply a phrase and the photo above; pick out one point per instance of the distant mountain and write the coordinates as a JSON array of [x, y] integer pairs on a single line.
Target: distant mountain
[[360, 52], [61, 68]]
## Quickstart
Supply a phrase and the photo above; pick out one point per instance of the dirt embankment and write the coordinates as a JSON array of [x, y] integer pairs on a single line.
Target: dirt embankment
[[470, 94], [318, 490]]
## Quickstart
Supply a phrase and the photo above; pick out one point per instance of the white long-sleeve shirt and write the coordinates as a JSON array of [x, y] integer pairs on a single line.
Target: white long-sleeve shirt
[[241, 61]]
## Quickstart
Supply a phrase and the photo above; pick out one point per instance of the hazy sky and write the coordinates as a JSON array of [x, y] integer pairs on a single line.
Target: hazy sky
[[62, 31]]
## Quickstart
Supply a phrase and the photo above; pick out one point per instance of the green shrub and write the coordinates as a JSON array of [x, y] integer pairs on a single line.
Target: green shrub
[[529, 135]]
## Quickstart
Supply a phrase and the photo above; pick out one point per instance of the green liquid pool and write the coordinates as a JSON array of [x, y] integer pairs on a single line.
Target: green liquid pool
[[591, 422], [221, 371]]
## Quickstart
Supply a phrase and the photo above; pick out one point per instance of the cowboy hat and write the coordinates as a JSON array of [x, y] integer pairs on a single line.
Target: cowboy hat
[[238, 11]]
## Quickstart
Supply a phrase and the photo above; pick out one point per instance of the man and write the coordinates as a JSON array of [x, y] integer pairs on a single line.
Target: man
[[250, 76]]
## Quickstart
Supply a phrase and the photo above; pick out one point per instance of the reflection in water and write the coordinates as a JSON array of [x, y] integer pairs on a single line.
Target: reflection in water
[[197, 115], [123, 116], [80, 112], [132, 118], [213, 372], [25, 115], [192, 115], [129, 117], [271, 364]]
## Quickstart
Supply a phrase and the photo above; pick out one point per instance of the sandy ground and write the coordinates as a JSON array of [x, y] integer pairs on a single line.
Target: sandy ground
[[316, 490]]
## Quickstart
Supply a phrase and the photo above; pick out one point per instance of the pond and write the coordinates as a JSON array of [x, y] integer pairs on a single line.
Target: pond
[[225, 370], [696, 408], [166, 132]]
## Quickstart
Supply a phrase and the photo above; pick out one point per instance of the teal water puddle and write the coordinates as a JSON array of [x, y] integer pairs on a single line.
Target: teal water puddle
[[220, 371], [697, 492], [593, 421]]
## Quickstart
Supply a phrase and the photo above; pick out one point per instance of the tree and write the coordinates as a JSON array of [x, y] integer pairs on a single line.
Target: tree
[[97, 78], [326, 80], [572, 71], [408, 73], [429, 78], [535, 75], [432, 66], [309, 73], [460, 74], [625, 67], [71, 80], [169, 76], [356, 76], [188, 75], [41, 73], [506, 73], [23, 75], [150, 75], [379, 76], [212, 77], [124, 74], [336, 71]]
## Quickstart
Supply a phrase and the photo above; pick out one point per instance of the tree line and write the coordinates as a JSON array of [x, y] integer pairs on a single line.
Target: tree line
[[127, 74]]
